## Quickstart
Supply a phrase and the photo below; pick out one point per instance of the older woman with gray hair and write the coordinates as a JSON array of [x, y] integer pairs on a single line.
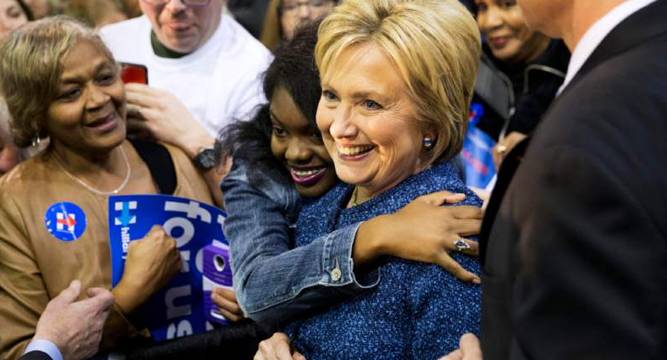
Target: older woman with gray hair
[[61, 83], [397, 78]]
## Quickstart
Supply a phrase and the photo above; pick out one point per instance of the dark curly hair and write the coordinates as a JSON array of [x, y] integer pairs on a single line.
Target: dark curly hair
[[293, 69]]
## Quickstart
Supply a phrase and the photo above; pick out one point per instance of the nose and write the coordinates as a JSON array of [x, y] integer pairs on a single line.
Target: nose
[[97, 98], [175, 6], [304, 10], [342, 126], [493, 19], [298, 151]]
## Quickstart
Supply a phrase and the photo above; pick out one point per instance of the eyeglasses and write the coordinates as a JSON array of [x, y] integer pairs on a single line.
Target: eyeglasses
[[193, 3], [289, 6]]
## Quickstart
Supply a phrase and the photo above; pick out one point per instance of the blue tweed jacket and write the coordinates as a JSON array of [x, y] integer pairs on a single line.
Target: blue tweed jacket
[[417, 311]]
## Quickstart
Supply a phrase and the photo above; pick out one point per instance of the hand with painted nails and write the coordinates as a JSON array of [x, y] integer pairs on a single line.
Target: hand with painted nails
[[434, 230]]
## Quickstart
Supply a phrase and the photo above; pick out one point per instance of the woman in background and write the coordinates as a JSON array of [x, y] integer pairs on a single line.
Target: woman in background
[[530, 66], [61, 82]]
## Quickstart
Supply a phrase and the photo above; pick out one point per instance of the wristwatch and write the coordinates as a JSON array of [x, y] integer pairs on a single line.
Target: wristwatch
[[205, 159]]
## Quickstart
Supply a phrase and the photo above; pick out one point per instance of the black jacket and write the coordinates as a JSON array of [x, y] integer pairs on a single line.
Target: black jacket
[[515, 97], [575, 258]]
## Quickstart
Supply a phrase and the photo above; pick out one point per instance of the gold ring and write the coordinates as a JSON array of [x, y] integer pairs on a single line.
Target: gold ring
[[501, 149]]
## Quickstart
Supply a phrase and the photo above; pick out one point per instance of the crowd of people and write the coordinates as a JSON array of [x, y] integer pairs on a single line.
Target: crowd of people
[[331, 133]]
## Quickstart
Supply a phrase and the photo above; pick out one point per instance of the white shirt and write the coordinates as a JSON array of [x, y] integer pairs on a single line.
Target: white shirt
[[44, 346], [219, 82], [598, 32]]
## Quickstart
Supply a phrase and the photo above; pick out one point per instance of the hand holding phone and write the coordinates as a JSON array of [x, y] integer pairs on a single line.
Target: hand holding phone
[[133, 73]]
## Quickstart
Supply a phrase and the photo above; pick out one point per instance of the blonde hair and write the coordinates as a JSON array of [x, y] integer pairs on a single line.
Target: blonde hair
[[434, 44], [30, 69]]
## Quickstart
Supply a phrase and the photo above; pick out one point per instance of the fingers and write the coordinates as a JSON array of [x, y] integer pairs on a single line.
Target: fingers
[[463, 227], [70, 294], [441, 197], [466, 212], [470, 347], [277, 347], [298, 356], [450, 265], [142, 95], [454, 355], [473, 246], [102, 298], [225, 299]]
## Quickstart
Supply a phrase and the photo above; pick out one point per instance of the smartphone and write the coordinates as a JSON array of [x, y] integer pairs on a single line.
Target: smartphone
[[133, 73]]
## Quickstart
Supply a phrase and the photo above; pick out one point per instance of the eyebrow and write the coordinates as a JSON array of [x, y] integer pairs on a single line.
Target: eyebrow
[[275, 119], [75, 79]]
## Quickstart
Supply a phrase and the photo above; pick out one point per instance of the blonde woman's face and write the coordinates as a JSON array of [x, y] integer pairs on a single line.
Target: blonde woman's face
[[368, 120], [11, 17]]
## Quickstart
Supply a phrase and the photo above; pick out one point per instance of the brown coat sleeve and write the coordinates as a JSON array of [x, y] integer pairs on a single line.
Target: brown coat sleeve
[[23, 294]]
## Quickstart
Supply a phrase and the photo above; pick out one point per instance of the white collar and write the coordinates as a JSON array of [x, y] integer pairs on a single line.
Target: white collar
[[596, 33]]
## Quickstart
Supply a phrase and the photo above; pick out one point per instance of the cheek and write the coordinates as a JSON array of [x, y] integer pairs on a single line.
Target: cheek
[[323, 118], [516, 21], [322, 153], [287, 25], [117, 93], [481, 24], [277, 149]]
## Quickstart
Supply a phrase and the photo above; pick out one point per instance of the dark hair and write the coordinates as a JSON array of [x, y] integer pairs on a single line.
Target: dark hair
[[26, 10], [293, 69]]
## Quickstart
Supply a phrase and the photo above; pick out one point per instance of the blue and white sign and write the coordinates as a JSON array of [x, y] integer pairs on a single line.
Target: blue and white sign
[[65, 221], [178, 309], [477, 152]]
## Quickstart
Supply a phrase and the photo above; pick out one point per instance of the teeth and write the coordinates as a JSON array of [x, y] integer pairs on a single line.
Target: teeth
[[305, 173], [353, 150]]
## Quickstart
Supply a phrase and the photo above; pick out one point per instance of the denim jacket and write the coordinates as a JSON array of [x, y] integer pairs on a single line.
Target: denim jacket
[[274, 281]]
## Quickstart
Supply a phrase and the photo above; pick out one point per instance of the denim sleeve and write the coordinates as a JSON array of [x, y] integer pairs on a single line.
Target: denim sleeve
[[273, 280]]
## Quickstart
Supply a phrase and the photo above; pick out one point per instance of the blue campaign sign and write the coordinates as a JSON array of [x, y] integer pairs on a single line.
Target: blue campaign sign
[[178, 309], [477, 152]]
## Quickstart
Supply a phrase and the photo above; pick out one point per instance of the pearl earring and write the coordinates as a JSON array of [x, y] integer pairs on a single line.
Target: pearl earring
[[428, 143]]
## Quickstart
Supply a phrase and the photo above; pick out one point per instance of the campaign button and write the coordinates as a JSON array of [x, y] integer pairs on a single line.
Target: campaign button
[[65, 221]]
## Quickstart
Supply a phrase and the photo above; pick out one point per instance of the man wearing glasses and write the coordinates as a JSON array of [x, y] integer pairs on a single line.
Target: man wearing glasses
[[202, 66]]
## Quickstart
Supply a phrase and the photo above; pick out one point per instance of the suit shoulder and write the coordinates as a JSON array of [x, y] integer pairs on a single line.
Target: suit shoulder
[[621, 100]]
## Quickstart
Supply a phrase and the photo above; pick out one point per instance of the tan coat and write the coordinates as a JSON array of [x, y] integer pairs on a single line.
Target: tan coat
[[35, 266]]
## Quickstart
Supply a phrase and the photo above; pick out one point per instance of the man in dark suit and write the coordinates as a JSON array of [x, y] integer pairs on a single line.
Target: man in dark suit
[[574, 242], [70, 329]]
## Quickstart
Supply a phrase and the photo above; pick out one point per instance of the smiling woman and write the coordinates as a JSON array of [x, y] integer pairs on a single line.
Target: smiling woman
[[527, 67], [61, 82]]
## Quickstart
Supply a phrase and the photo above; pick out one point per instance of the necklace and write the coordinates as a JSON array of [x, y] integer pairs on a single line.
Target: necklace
[[128, 172], [353, 199]]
